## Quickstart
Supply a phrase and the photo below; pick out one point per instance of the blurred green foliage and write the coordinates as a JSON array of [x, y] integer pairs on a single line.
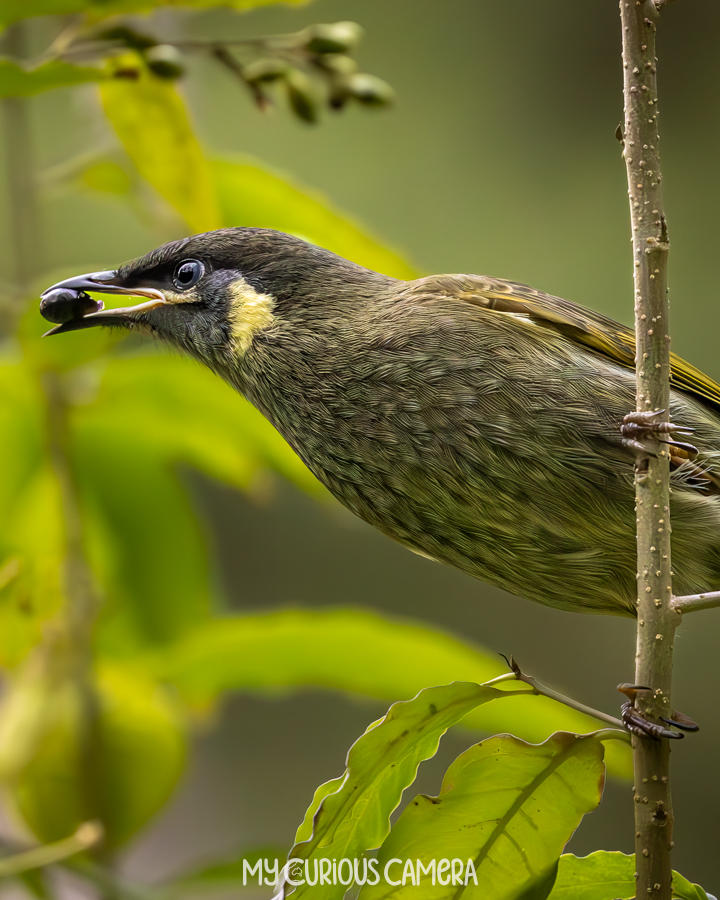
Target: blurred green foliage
[[18, 81], [112, 638], [103, 556], [95, 10], [143, 751]]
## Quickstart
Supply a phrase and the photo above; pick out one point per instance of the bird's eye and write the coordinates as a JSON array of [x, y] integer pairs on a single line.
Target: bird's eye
[[187, 274]]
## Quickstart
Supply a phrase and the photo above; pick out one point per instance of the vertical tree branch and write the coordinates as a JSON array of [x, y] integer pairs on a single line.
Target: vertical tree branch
[[657, 618]]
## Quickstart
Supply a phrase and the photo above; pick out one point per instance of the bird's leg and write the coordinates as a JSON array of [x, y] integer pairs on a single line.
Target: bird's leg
[[637, 724], [641, 431], [634, 720]]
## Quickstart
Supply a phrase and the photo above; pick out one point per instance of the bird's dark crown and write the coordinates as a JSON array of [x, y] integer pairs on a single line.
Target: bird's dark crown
[[272, 262]]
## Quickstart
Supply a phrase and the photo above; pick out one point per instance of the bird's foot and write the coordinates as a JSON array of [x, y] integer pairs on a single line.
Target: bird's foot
[[637, 724], [641, 431]]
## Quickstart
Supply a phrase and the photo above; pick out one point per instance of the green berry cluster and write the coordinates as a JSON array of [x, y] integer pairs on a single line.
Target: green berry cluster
[[312, 67]]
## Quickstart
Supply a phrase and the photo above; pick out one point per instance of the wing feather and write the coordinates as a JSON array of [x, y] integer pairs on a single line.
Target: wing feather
[[596, 331]]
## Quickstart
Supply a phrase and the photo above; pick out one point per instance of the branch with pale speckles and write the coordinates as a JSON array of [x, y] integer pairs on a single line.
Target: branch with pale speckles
[[657, 618]]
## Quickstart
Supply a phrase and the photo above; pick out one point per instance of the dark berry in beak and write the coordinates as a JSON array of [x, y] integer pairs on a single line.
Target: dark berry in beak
[[63, 305]]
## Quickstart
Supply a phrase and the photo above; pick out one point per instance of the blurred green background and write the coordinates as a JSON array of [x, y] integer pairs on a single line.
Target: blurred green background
[[499, 158]]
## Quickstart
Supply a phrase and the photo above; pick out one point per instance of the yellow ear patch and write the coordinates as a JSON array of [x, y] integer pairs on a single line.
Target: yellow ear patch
[[250, 313]]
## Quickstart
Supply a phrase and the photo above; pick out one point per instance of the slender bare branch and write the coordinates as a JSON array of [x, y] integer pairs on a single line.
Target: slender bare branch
[[657, 619], [539, 689], [544, 691], [87, 836]]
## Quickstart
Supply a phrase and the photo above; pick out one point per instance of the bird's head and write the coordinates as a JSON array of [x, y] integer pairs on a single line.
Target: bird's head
[[213, 293]]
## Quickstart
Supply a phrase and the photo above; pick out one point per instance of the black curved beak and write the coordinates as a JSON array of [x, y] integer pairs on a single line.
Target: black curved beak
[[105, 283]]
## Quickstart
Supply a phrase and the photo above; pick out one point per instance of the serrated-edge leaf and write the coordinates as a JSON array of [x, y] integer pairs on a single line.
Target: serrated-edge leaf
[[380, 765], [305, 830]]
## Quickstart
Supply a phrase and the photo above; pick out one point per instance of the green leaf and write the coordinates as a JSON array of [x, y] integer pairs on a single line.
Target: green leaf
[[606, 875], [355, 817], [19, 81], [12, 10], [151, 120], [509, 807], [305, 829], [347, 649], [363, 653], [252, 194]]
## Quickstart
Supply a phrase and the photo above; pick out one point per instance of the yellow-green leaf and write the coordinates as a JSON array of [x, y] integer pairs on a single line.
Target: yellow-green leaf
[[252, 194], [107, 177], [152, 122], [505, 811], [351, 815]]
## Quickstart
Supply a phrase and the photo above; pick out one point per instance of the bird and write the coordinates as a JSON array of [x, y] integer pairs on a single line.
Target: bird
[[477, 421]]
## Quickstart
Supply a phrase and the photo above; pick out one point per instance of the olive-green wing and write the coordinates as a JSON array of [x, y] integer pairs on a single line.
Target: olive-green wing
[[583, 325]]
